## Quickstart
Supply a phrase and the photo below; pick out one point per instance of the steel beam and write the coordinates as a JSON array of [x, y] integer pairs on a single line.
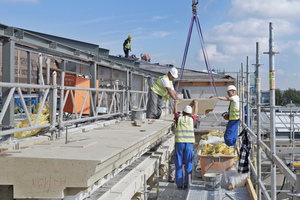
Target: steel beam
[[93, 84], [258, 95], [243, 92], [272, 110], [248, 92], [8, 75]]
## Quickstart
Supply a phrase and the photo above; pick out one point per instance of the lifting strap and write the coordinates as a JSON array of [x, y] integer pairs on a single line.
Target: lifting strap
[[197, 22]]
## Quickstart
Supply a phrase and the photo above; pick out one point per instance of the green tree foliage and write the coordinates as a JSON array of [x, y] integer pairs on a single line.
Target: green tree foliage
[[278, 97], [290, 94]]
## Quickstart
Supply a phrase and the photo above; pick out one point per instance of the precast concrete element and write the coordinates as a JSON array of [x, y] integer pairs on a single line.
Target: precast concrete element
[[133, 182], [204, 105], [56, 170]]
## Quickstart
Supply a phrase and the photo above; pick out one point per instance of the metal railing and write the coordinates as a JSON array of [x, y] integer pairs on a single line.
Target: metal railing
[[115, 102]]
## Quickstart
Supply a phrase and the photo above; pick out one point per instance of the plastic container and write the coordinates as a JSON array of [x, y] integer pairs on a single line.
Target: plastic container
[[215, 163], [212, 181], [198, 173], [137, 115]]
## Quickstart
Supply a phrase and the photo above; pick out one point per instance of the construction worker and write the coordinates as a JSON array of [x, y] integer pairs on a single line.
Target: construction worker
[[184, 142], [161, 90], [231, 131], [145, 57], [127, 46]]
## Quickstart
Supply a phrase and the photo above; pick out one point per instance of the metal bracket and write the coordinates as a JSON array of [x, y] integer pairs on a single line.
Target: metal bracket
[[6, 127], [9, 31], [95, 57], [19, 34], [77, 53], [53, 45]]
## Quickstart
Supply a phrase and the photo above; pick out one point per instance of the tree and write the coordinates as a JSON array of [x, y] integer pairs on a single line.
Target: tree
[[278, 97], [291, 94]]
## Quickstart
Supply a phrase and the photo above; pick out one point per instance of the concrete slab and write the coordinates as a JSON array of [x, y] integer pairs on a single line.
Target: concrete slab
[[131, 179], [204, 105], [56, 169]]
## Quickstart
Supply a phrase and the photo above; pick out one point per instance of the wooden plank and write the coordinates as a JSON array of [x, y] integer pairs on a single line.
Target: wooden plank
[[204, 105], [251, 189]]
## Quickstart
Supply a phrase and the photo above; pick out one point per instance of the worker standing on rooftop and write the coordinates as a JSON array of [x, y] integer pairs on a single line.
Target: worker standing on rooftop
[[231, 131], [127, 46], [161, 90], [184, 142], [145, 57]]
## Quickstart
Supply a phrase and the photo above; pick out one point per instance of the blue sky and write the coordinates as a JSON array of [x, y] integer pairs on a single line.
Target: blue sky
[[159, 27]]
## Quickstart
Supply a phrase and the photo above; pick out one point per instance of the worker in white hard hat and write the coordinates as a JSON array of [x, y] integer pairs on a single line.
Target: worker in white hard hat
[[127, 46], [184, 142], [231, 131], [161, 90]]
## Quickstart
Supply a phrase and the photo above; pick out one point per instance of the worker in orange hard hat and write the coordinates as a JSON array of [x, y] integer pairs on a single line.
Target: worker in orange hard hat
[[145, 57], [127, 46]]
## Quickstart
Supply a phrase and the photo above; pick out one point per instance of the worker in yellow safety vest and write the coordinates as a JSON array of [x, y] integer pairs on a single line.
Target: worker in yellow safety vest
[[231, 131], [161, 90], [127, 46], [184, 142]]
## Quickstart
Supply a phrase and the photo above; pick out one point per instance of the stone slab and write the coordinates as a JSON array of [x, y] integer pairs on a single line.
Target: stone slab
[[57, 169], [204, 105]]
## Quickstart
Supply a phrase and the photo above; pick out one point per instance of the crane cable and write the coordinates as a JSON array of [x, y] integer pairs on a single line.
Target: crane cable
[[209, 71]]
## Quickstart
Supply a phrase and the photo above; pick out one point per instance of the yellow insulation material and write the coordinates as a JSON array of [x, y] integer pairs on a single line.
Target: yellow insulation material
[[213, 133], [44, 119], [217, 149]]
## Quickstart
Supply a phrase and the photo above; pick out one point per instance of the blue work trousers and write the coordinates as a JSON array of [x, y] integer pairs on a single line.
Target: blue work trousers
[[184, 152], [231, 132]]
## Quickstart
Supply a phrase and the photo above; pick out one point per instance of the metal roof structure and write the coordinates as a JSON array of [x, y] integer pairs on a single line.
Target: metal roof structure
[[188, 74]]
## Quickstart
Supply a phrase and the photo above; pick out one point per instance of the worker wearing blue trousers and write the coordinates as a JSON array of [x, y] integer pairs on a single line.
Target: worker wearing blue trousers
[[231, 131], [184, 143]]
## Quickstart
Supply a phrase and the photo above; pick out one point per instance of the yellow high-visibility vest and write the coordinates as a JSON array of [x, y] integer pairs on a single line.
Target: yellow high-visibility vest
[[184, 132], [127, 46], [159, 89], [234, 113]]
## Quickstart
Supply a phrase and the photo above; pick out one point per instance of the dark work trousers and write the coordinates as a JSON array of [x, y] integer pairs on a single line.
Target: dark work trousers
[[154, 105], [126, 51]]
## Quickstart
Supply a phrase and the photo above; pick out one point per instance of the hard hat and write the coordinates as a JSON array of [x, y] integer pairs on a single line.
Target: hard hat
[[188, 109], [129, 36], [173, 71], [231, 87]]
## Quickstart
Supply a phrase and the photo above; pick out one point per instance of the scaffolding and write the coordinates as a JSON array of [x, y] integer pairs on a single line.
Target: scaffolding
[[116, 101], [279, 121]]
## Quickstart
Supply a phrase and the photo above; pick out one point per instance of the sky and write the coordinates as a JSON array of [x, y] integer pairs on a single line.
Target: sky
[[159, 28]]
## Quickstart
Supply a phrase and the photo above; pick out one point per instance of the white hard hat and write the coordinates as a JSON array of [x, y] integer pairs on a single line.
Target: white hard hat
[[188, 109], [231, 87], [173, 71]]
